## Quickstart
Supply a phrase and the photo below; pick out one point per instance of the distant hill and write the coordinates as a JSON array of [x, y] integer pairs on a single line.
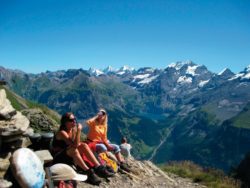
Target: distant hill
[[177, 113]]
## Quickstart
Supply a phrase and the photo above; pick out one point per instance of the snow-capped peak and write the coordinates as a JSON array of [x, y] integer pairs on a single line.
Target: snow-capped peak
[[248, 68], [179, 64], [95, 72], [125, 69], [247, 73], [226, 73], [243, 75], [109, 69], [221, 72]]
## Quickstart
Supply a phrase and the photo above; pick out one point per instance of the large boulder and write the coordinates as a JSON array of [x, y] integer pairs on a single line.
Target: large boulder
[[12, 123], [39, 121], [27, 168]]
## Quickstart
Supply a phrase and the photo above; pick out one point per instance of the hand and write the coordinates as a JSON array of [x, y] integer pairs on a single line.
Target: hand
[[74, 145], [79, 126]]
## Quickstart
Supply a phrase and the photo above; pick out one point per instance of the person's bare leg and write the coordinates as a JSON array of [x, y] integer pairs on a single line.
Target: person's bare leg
[[119, 157], [84, 148], [74, 153]]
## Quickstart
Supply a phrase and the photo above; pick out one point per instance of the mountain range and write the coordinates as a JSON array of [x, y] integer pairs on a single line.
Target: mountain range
[[182, 112]]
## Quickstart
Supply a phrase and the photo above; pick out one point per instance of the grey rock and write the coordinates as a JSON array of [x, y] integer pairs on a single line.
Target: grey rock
[[18, 124], [5, 183], [44, 155], [4, 165], [144, 174], [40, 121]]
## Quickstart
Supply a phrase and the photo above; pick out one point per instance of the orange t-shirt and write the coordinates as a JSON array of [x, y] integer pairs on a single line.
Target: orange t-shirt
[[97, 132]]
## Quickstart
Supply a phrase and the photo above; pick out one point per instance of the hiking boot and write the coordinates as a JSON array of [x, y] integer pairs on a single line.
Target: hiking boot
[[93, 178], [125, 167], [110, 169], [103, 172]]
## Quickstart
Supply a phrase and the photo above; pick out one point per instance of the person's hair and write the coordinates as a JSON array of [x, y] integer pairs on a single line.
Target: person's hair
[[123, 140], [105, 114], [65, 118]]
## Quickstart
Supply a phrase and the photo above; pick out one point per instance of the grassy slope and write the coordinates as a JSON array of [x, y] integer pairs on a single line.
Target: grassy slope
[[210, 177], [19, 104], [242, 120]]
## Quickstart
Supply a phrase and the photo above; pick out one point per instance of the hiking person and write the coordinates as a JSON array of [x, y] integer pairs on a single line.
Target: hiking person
[[68, 148], [98, 127], [125, 147]]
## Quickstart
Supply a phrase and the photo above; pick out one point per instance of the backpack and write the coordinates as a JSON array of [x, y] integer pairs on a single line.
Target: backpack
[[105, 160]]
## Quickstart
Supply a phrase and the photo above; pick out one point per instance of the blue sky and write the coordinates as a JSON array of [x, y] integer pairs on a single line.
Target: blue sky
[[41, 35]]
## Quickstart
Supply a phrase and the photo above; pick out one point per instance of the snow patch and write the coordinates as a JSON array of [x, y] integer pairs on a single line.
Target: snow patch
[[221, 72], [184, 79], [148, 80], [236, 76], [203, 82], [191, 70], [126, 68], [141, 76], [247, 76]]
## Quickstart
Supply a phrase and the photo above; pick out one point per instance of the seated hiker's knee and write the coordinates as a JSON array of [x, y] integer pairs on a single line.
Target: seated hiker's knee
[[84, 145], [101, 148], [72, 152], [116, 148]]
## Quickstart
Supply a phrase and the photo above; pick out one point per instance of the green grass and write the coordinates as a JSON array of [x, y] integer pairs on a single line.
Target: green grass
[[209, 177], [139, 147], [243, 119], [45, 110]]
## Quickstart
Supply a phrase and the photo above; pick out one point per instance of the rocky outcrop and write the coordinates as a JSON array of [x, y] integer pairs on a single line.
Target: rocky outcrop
[[39, 120], [144, 174], [17, 130], [12, 123]]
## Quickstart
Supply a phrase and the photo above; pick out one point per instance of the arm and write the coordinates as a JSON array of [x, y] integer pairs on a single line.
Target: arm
[[74, 140], [91, 121], [78, 135], [105, 140], [63, 135]]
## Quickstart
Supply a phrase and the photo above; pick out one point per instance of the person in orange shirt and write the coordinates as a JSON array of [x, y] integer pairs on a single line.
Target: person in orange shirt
[[98, 126]]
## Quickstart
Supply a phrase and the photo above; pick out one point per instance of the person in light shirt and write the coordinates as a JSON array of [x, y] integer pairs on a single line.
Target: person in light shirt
[[125, 147]]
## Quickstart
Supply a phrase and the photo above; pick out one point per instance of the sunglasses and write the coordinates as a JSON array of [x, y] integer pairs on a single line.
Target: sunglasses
[[72, 120]]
